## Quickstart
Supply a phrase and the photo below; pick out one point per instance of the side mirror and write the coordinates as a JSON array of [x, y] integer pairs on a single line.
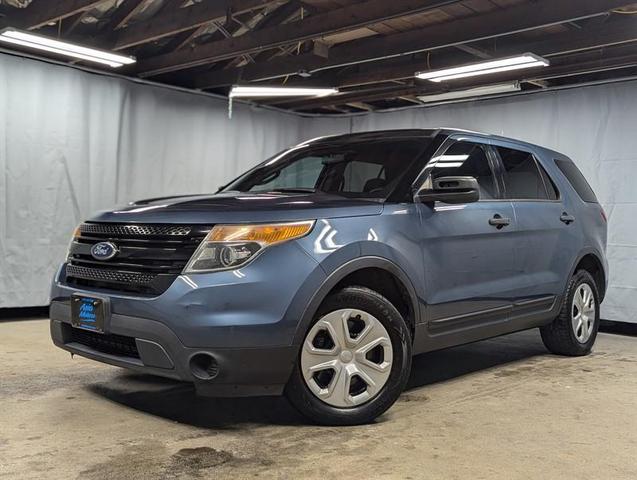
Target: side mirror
[[451, 190]]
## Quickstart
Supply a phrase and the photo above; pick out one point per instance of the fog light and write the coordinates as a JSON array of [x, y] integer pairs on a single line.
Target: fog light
[[204, 366]]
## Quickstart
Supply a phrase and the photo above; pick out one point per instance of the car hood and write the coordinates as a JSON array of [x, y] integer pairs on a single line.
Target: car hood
[[240, 208]]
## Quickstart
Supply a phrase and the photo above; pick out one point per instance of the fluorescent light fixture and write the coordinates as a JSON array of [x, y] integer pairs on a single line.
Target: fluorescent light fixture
[[471, 92], [253, 92], [528, 60], [39, 42]]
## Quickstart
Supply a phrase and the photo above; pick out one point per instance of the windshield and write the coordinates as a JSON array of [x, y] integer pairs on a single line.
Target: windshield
[[361, 170]]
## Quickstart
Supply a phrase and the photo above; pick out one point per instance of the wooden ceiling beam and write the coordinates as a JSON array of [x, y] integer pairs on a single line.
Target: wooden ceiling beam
[[71, 23], [171, 22], [226, 28], [42, 12], [624, 30], [184, 39], [335, 21], [460, 31], [279, 15], [122, 14], [361, 106], [475, 51], [571, 67]]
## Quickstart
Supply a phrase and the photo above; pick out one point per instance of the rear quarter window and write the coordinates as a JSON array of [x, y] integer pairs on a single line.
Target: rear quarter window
[[577, 180]]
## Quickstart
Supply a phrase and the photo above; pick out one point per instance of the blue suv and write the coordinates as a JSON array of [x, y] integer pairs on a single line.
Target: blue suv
[[323, 270]]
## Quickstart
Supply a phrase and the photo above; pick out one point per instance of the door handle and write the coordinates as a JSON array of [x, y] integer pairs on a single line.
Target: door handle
[[498, 221], [566, 218]]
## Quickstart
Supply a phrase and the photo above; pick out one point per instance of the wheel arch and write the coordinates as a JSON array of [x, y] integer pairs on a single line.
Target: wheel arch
[[590, 261], [358, 271]]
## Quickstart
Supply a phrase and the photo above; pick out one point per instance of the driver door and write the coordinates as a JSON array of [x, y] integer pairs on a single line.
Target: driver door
[[468, 249]]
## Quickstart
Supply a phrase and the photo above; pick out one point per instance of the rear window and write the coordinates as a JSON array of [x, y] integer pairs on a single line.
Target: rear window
[[577, 180]]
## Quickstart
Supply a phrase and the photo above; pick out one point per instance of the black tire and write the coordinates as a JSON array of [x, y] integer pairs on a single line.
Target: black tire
[[304, 400], [559, 336]]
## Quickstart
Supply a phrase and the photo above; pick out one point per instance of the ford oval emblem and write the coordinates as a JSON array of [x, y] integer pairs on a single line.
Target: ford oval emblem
[[104, 251]]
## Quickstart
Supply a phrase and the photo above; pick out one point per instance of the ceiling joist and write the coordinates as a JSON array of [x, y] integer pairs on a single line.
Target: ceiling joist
[[122, 14], [41, 13], [567, 68], [369, 49], [172, 22], [334, 21], [503, 22], [622, 31]]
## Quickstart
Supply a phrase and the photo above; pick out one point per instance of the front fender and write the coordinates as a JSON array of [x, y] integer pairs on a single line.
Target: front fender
[[342, 246], [338, 274]]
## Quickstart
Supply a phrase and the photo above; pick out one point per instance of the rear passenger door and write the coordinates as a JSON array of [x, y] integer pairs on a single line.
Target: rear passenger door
[[541, 240]]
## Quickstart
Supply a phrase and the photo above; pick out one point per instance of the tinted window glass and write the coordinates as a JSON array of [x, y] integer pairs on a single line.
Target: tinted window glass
[[577, 180], [363, 176], [522, 178], [370, 169], [551, 189], [301, 174], [467, 159]]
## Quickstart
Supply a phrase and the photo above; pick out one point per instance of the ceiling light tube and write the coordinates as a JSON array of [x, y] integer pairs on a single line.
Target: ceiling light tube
[[527, 60], [254, 92], [487, 72], [39, 42], [471, 92]]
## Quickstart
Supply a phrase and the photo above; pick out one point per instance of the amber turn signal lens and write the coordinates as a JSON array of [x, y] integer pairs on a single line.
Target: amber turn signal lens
[[262, 234]]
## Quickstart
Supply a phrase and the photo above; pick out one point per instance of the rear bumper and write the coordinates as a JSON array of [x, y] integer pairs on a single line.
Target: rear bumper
[[241, 371]]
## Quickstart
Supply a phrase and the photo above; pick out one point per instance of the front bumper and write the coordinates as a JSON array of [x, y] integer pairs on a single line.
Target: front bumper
[[246, 319], [241, 371]]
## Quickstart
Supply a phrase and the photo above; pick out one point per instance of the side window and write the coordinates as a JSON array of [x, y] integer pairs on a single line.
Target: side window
[[523, 179], [467, 159], [363, 177], [551, 189], [575, 177]]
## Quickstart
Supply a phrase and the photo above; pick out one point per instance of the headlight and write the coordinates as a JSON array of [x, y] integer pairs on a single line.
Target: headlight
[[231, 246]]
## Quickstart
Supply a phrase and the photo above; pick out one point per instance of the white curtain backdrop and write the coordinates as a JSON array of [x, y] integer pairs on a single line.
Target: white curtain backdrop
[[72, 143], [596, 126]]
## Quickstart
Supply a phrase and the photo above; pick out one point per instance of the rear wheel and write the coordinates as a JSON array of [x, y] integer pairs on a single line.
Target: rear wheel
[[574, 331], [354, 361]]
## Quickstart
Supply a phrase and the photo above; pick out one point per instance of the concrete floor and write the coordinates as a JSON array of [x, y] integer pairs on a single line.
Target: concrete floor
[[503, 408]]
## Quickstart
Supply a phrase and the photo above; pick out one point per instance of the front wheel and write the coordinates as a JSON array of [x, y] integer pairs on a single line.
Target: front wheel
[[574, 331], [354, 361]]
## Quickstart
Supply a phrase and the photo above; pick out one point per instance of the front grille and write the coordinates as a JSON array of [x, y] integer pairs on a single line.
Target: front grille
[[115, 276], [111, 344], [139, 230], [149, 257]]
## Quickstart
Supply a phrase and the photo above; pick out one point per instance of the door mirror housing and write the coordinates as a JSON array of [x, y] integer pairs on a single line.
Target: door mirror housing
[[450, 190]]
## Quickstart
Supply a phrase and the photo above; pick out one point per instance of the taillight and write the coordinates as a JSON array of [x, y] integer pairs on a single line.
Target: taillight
[[601, 210]]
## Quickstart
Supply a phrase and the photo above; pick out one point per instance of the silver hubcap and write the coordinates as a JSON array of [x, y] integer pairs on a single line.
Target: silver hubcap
[[583, 312], [346, 357]]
